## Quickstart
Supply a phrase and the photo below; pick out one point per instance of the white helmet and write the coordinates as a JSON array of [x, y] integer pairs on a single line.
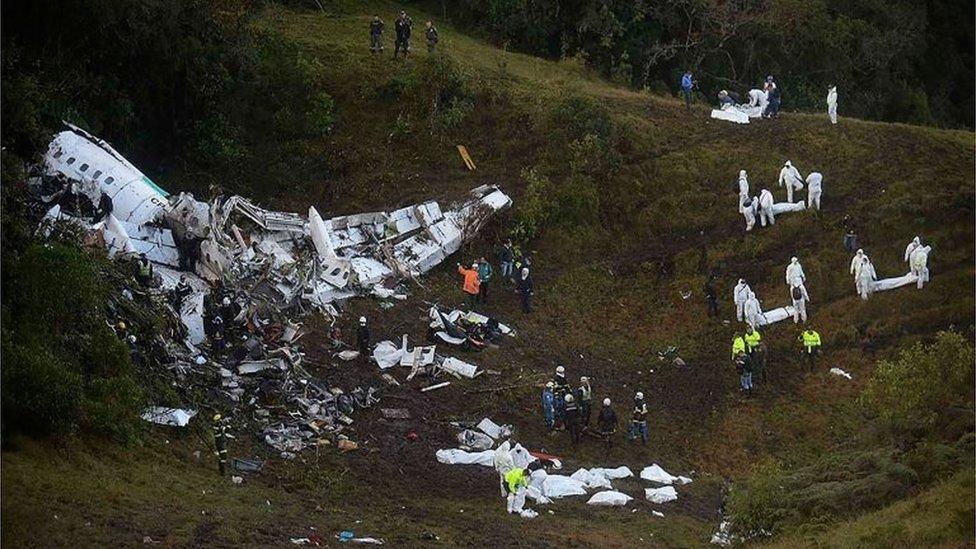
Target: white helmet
[[474, 265], [569, 398], [525, 272], [640, 395], [200, 360], [606, 402], [793, 259], [560, 370], [362, 320], [787, 164], [584, 379], [860, 251], [550, 385]]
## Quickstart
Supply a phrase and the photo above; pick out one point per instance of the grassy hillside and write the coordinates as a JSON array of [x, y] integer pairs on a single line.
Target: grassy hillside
[[635, 215]]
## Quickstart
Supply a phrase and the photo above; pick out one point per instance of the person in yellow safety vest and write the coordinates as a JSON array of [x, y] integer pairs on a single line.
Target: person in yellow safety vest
[[220, 441], [752, 339], [738, 344], [811, 345], [144, 271], [517, 482]]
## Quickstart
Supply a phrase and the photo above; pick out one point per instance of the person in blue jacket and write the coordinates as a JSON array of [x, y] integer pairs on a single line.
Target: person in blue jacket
[[548, 405], [687, 83]]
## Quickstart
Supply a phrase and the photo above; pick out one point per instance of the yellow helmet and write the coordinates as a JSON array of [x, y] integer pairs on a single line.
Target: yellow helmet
[[216, 417], [120, 325]]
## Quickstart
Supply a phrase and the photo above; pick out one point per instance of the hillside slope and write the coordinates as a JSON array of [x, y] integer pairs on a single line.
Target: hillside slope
[[621, 244]]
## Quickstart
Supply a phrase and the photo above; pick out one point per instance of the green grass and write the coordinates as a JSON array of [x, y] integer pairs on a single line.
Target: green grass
[[606, 302]]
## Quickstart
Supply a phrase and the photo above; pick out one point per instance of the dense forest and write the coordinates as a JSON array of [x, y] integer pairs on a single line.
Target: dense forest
[[892, 60]]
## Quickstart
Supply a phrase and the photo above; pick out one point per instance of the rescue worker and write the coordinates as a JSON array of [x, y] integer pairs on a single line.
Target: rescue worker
[[687, 84], [220, 442], [759, 363], [743, 365], [181, 292], [402, 25], [794, 272], [484, 276], [814, 190], [866, 275], [571, 416], [560, 388], [765, 208], [856, 263], [919, 262], [711, 300], [749, 207], [506, 259], [740, 294], [832, 103], [753, 310], [517, 482], [363, 337], [915, 243], [743, 188], [800, 298], [432, 37], [144, 271], [751, 339], [376, 34], [738, 344], [585, 395], [548, 405], [525, 290], [790, 177], [503, 463], [850, 240], [606, 424], [471, 284], [638, 421], [811, 345]]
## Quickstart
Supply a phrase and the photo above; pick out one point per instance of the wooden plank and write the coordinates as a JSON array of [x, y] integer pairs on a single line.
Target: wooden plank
[[466, 157]]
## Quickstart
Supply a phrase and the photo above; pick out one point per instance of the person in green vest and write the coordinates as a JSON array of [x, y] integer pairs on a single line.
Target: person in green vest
[[517, 482], [738, 344], [144, 271], [811, 346]]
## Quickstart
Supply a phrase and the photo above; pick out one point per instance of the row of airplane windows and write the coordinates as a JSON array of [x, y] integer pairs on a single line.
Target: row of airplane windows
[[84, 168]]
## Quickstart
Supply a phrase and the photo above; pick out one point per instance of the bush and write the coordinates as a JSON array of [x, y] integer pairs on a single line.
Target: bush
[[64, 368], [532, 212], [924, 381]]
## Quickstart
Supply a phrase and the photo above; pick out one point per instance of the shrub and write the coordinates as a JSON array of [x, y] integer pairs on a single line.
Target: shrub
[[532, 212]]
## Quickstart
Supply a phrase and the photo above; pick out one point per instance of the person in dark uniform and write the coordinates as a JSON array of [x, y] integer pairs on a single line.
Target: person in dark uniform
[[710, 298], [220, 441], [403, 26], [376, 34], [363, 337], [571, 415], [432, 38], [606, 424]]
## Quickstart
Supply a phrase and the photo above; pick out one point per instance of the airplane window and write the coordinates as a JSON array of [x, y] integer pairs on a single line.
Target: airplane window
[[335, 271], [84, 167], [58, 154], [97, 174], [71, 161], [109, 180]]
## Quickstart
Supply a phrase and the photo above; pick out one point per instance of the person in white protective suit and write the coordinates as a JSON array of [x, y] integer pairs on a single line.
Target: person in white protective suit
[[743, 188], [865, 278], [814, 190], [758, 98], [766, 208], [503, 463], [791, 178], [919, 263], [915, 243], [800, 298], [748, 209], [740, 294], [832, 104], [753, 310], [856, 263], [794, 272]]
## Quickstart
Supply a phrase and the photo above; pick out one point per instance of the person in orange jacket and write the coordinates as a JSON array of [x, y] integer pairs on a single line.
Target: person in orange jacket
[[471, 284]]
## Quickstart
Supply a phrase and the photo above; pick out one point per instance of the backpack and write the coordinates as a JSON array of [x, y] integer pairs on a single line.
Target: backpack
[[797, 293]]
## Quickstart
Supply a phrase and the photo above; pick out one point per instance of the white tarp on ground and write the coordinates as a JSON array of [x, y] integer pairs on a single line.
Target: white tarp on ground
[[731, 114], [560, 486], [387, 354], [460, 457], [613, 474], [661, 495], [459, 367], [609, 498], [776, 315], [591, 479], [892, 283], [785, 207], [174, 417], [838, 372], [494, 430], [655, 473]]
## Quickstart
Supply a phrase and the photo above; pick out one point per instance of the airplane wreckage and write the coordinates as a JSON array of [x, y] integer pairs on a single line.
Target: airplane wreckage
[[280, 258]]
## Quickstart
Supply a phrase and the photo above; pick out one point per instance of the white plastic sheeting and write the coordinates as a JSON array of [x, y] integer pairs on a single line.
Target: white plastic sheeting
[[591, 479], [897, 282], [494, 430], [609, 498], [838, 372], [775, 315], [613, 474], [459, 367], [731, 114], [785, 207], [460, 457], [174, 417], [661, 495], [655, 473], [387, 354]]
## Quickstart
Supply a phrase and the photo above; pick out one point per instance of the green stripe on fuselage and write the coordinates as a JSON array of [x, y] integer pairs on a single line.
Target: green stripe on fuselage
[[155, 187]]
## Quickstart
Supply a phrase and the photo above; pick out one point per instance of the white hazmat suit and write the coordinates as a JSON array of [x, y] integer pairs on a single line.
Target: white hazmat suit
[[832, 104], [915, 243], [920, 264], [749, 212], [758, 98], [865, 278], [740, 294], [753, 311], [794, 272], [800, 297], [766, 208], [814, 190], [503, 463], [856, 263], [743, 188], [791, 178]]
